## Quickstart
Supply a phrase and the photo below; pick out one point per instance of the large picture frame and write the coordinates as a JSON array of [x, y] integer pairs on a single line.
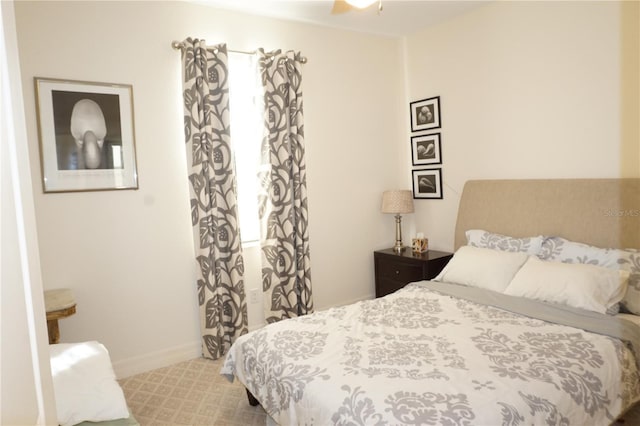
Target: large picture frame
[[427, 184], [425, 114], [426, 149], [86, 133]]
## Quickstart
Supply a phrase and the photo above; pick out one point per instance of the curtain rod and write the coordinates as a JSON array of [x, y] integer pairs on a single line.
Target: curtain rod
[[177, 45]]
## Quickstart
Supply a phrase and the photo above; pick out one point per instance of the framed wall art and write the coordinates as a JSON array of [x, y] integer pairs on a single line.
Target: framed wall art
[[427, 183], [425, 114], [425, 149], [86, 133]]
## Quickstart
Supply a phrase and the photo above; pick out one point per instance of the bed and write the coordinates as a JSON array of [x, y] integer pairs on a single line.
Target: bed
[[478, 346]]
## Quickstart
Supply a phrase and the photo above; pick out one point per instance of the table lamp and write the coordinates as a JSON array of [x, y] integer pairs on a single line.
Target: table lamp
[[397, 202]]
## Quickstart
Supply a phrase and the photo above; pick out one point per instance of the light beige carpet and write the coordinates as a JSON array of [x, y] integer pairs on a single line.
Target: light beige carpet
[[189, 393], [194, 393]]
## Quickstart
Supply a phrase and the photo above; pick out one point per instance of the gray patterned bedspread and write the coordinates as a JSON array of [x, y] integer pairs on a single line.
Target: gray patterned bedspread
[[421, 356]]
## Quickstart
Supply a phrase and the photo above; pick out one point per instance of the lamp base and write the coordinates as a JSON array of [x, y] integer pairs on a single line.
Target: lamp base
[[398, 247]]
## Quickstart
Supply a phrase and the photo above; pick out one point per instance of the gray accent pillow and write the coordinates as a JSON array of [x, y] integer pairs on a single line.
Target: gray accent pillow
[[485, 239]]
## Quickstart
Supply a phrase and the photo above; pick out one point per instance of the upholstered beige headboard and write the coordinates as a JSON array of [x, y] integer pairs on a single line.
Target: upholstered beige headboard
[[600, 212]]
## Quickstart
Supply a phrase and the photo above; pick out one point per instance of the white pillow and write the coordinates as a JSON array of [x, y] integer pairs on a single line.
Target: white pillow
[[482, 267], [485, 239], [578, 285], [559, 249], [84, 384]]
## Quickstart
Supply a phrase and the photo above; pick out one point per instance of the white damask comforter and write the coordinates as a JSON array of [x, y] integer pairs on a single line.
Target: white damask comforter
[[419, 356]]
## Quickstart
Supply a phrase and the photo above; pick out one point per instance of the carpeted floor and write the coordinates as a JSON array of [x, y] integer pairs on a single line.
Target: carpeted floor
[[189, 393], [194, 393]]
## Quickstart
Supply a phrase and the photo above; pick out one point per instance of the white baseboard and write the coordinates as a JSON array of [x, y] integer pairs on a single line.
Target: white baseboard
[[140, 364]]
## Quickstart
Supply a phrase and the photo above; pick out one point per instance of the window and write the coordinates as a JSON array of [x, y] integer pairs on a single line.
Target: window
[[246, 137]]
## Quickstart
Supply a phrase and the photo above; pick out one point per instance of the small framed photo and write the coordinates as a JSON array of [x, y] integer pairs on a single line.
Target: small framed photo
[[427, 183], [425, 114], [86, 135], [425, 149]]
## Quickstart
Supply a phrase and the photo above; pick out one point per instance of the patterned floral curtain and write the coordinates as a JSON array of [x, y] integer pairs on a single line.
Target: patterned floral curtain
[[286, 274], [223, 307]]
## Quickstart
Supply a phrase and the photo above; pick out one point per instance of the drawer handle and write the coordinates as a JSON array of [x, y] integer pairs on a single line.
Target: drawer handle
[[397, 272]]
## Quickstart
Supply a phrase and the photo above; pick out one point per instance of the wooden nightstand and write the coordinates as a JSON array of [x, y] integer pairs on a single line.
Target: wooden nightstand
[[395, 270]]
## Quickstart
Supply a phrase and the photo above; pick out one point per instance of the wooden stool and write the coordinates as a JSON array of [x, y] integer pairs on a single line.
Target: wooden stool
[[58, 303]]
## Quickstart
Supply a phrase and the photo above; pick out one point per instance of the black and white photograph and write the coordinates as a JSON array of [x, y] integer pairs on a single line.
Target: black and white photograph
[[86, 134], [425, 114], [426, 149], [427, 183]]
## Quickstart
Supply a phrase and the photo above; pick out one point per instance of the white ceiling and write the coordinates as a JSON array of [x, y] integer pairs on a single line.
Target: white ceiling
[[398, 17]]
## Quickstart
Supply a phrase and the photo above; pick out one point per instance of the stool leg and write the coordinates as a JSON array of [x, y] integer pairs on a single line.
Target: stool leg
[[53, 330], [252, 399]]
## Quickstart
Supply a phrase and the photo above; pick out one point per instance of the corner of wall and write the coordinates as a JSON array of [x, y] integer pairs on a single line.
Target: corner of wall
[[24, 335], [630, 89], [150, 361]]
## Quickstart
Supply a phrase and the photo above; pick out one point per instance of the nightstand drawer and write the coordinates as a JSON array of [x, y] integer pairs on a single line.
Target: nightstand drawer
[[400, 271]]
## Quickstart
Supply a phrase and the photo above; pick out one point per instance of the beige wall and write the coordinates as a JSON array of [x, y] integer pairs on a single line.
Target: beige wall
[[26, 388], [128, 255], [528, 90]]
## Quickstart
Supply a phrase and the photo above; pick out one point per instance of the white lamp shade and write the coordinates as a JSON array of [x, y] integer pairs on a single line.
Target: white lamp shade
[[397, 201]]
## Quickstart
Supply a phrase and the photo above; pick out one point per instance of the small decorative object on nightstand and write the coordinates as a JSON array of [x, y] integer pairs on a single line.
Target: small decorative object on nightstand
[[395, 270], [420, 244]]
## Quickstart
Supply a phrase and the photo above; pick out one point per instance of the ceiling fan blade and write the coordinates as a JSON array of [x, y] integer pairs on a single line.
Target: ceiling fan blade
[[340, 6]]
